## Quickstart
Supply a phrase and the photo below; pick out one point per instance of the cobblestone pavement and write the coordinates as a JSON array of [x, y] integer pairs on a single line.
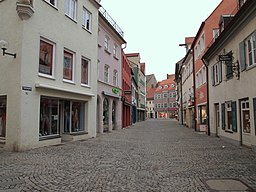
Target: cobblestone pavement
[[151, 156]]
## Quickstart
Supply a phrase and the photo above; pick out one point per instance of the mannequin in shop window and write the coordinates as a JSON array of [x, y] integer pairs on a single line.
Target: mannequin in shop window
[[45, 122], [75, 120]]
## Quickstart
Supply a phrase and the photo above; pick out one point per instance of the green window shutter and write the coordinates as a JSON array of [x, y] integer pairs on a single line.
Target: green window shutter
[[220, 71], [212, 75], [242, 56], [223, 115], [254, 108], [234, 116], [229, 70]]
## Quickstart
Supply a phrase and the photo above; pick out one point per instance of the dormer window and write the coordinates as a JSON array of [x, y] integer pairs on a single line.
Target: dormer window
[[160, 87]]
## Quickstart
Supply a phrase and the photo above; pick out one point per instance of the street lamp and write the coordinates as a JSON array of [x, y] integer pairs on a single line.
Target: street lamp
[[4, 46]]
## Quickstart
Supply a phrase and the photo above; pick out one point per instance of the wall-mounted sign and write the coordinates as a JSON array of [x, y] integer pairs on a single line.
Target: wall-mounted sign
[[227, 57], [26, 88], [115, 90]]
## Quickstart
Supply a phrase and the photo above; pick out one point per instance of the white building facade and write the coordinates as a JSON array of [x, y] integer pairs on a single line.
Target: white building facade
[[231, 64], [48, 92]]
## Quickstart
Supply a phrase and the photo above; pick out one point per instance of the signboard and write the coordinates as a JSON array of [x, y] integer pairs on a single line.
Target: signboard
[[26, 88], [115, 90], [225, 57]]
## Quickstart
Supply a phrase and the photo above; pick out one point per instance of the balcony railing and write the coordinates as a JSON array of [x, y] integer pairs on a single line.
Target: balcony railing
[[111, 21]]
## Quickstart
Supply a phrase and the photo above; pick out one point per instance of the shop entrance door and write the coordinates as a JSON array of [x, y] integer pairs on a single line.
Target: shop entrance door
[[245, 122], [217, 119]]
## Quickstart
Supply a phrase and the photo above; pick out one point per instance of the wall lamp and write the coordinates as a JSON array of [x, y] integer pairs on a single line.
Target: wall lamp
[[4, 46]]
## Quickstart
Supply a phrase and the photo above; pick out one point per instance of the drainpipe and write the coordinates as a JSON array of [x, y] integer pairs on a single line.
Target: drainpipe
[[207, 85], [194, 84], [181, 100]]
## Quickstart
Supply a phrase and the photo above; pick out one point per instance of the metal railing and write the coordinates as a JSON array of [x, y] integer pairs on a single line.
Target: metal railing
[[111, 21]]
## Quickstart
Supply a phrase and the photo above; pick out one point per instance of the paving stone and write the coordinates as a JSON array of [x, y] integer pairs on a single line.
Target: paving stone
[[155, 155]]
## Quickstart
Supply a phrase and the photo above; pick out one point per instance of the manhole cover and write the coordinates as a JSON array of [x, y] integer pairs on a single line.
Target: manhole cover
[[226, 184]]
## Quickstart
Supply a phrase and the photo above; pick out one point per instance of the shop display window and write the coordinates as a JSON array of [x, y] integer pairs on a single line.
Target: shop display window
[[2, 116]]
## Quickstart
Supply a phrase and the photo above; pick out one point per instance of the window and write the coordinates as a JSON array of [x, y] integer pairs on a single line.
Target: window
[[52, 2], [87, 19], [48, 117], [170, 105], [202, 115], [245, 112], [215, 33], [46, 58], [173, 105], [106, 73], [165, 95], [165, 105], [68, 66], [85, 64], [70, 8], [229, 116], [106, 44], [115, 48], [216, 73], [247, 49], [3, 102], [115, 78]]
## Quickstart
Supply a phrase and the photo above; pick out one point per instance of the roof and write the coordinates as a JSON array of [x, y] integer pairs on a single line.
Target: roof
[[166, 85], [132, 54], [234, 25], [150, 93]]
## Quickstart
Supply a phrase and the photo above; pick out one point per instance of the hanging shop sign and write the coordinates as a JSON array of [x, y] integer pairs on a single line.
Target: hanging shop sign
[[115, 90]]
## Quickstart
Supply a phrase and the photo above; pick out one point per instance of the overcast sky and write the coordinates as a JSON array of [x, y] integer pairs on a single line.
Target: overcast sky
[[156, 28]]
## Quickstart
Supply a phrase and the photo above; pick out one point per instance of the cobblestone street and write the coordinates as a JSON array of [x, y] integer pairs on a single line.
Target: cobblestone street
[[156, 155]]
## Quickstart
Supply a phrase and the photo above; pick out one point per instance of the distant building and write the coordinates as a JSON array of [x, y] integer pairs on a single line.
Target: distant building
[[165, 98], [151, 81]]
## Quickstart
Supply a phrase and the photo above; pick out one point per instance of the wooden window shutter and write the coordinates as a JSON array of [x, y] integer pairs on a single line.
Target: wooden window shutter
[[223, 116], [242, 56], [254, 109], [234, 116], [212, 75], [220, 71]]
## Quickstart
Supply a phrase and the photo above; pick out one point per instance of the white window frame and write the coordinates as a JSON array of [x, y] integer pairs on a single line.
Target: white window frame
[[88, 71], [71, 9], [106, 73], [52, 2], [106, 43], [53, 58], [228, 106], [115, 77], [250, 42], [87, 20], [245, 106], [73, 66], [115, 49]]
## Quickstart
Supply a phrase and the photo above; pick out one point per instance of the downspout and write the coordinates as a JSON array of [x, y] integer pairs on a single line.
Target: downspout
[[181, 100], [207, 85], [194, 84]]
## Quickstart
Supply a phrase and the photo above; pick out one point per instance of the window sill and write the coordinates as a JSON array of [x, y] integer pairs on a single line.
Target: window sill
[[71, 18], [250, 67], [69, 81], [229, 131], [53, 6], [116, 57], [86, 29], [84, 85], [43, 138], [46, 76], [107, 51]]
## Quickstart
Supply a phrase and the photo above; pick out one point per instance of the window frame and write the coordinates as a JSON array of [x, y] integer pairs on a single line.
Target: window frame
[[115, 77], [85, 24], [106, 73], [88, 71], [52, 65], [106, 43], [70, 53], [71, 12], [54, 4]]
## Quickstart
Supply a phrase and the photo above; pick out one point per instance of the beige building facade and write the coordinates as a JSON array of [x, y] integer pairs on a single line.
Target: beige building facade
[[231, 62], [48, 92]]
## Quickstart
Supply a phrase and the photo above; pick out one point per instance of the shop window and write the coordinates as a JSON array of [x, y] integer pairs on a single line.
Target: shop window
[[229, 116], [77, 117], [68, 65], [46, 58], [49, 117], [2, 117], [202, 115]]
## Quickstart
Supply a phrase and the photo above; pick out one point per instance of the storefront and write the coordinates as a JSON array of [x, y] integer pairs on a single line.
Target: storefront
[[60, 116], [3, 101], [202, 117]]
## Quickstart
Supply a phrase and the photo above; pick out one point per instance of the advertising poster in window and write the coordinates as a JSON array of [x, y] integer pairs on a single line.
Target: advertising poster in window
[[45, 58], [68, 64]]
